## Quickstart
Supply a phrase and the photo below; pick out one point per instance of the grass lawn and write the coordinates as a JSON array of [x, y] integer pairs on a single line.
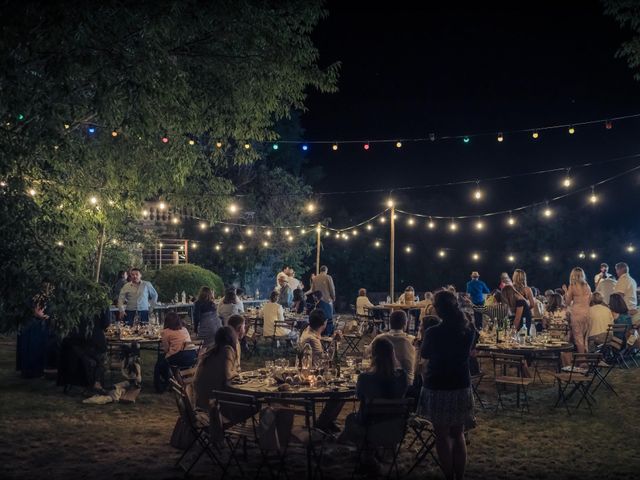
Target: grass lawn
[[44, 433]]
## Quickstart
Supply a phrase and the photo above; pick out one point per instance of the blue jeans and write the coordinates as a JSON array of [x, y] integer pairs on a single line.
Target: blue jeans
[[143, 315]]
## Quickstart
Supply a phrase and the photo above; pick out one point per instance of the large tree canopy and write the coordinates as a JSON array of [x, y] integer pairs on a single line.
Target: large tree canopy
[[90, 90]]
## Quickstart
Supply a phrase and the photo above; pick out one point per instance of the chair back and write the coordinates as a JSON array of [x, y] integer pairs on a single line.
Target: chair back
[[235, 406], [504, 364], [279, 324], [184, 376], [558, 330], [584, 364], [185, 409], [386, 421], [614, 332]]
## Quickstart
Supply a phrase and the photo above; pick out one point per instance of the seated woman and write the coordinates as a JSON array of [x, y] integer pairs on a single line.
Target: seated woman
[[273, 312], [600, 318], [556, 311], [408, 297], [298, 301], [216, 367], [206, 321], [177, 348], [620, 312], [230, 305], [384, 381]]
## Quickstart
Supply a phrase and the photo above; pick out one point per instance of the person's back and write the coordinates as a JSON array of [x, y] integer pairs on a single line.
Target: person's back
[[225, 310], [372, 385], [404, 350], [448, 351], [600, 318], [208, 321], [606, 287], [213, 373], [362, 302], [324, 283]]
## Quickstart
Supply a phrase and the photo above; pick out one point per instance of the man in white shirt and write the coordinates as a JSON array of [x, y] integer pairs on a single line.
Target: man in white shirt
[[628, 287], [604, 273], [362, 302], [606, 287], [402, 343]]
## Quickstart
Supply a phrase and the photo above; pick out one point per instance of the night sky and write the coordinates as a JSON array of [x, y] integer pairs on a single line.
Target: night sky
[[457, 70]]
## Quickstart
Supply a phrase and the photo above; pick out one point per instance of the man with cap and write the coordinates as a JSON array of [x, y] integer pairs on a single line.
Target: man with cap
[[476, 289]]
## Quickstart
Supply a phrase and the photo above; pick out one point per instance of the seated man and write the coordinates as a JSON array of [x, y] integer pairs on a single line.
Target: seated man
[[402, 344], [327, 309], [362, 302]]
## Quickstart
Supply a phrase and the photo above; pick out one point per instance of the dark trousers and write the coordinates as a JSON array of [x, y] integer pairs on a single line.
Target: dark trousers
[[162, 370], [477, 316], [143, 315]]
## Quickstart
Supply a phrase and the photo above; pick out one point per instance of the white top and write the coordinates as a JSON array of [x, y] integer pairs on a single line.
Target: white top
[[361, 304], [606, 287], [272, 313], [293, 282], [627, 286], [401, 298], [600, 318], [403, 348], [600, 276]]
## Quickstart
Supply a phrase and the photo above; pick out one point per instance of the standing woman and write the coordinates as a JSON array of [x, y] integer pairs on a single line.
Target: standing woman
[[578, 298], [206, 321], [518, 306], [520, 284], [446, 398]]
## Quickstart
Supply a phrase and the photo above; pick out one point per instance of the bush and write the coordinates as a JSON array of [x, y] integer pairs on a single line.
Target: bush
[[176, 278]]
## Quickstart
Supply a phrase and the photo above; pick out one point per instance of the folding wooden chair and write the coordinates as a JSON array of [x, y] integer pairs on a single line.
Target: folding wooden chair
[[424, 435], [198, 425], [615, 350], [352, 340], [476, 380], [508, 371], [385, 426], [305, 437], [579, 377]]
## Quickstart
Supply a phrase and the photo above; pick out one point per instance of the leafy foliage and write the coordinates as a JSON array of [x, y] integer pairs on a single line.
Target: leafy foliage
[[188, 278], [627, 14]]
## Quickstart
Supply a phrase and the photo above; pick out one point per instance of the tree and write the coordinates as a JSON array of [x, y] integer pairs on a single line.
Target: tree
[[122, 104], [627, 14]]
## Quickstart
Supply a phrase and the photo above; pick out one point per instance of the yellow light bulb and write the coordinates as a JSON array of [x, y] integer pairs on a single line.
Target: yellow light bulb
[[335, 147], [247, 146], [174, 220], [383, 219], [240, 247], [453, 226], [431, 225], [161, 244], [327, 233], [217, 247], [203, 225], [268, 233], [479, 225], [475, 256], [32, 192], [408, 249], [226, 229], [442, 253], [477, 194], [398, 144], [500, 138], [233, 208], [567, 182], [411, 222], [546, 258], [161, 206], [593, 198], [377, 243], [547, 212], [265, 244], [572, 130], [354, 232], [67, 126], [192, 142], [145, 213], [511, 221], [59, 243], [287, 233], [535, 135], [303, 231], [631, 249], [389, 203], [194, 246], [369, 227], [511, 258], [290, 239], [311, 207], [114, 134], [219, 144], [249, 232], [93, 200]]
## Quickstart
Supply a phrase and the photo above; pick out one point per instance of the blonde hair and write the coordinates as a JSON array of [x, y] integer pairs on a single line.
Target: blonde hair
[[510, 295], [519, 280], [577, 277]]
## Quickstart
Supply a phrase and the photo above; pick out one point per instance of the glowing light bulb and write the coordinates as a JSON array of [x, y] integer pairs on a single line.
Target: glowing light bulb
[[535, 135], [431, 225], [3, 184], [327, 233], [233, 208], [305, 148], [581, 255], [32, 192], [60, 243], [546, 259], [203, 225], [390, 203], [572, 130], [67, 126], [345, 236], [477, 194], [500, 137], [335, 147], [608, 125], [337, 234], [247, 146], [114, 133], [303, 231], [593, 198], [194, 246], [366, 146], [161, 206], [268, 233], [311, 207], [111, 202], [566, 182], [92, 130], [383, 219], [240, 247], [442, 253], [145, 213], [354, 232], [369, 227], [217, 248], [93, 200], [479, 225], [475, 256], [376, 243], [631, 248], [511, 221], [174, 220], [265, 244], [547, 212], [398, 144], [287, 233], [466, 139], [161, 244], [593, 255], [226, 229], [275, 146], [165, 139], [453, 226], [218, 144], [290, 238], [408, 249], [511, 258], [411, 222], [249, 232], [191, 141]]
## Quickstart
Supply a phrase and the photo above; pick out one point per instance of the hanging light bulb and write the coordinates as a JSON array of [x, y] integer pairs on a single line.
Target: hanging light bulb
[[303, 231], [226, 229], [354, 232], [67, 126], [479, 225], [191, 141], [593, 255], [369, 227], [335, 147], [247, 146], [466, 139], [311, 207], [161, 244], [93, 200], [383, 219], [287, 233], [165, 139], [390, 203], [453, 226], [431, 225], [32, 192], [217, 248], [376, 243], [194, 246], [318, 229], [511, 221], [265, 244], [500, 137], [572, 130], [366, 146], [566, 183], [547, 212], [411, 222], [327, 233], [442, 253], [608, 125], [535, 135], [161, 206], [233, 208], [581, 255], [408, 249], [203, 225], [475, 257], [241, 247], [114, 133], [631, 248], [511, 259], [546, 258], [268, 233], [593, 198], [345, 236], [174, 220], [275, 146], [338, 235], [92, 130], [478, 193], [145, 213], [249, 232], [305, 148], [60, 243], [398, 144], [218, 144]]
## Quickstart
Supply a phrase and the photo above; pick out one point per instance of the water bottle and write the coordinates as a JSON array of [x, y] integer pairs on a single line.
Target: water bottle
[[388, 299], [257, 294], [184, 297]]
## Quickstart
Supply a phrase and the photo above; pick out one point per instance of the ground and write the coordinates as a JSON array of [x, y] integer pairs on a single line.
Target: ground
[[45, 433]]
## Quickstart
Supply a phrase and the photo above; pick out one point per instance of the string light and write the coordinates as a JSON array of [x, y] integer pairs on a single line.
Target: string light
[[466, 139], [511, 259], [382, 219], [572, 130], [442, 254], [500, 137], [114, 133], [593, 255], [265, 244], [546, 259], [3, 184], [535, 135], [453, 226], [247, 146], [398, 144], [511, 220], [479, 225], [217, 248], [354, 232], [581, 255], [287, 233], [338, 235], [165, 139], [192, 141], [369, 226], [327, 233], [91, 130], [303, 231], [203, 225], [233, 208], [478, 193], [318, 229], [218, 144], [366, 146], [311, 207], [226, 229], [593, 198], [67, 126], [411, 222], [345, 236], [145, 213], [161, 244], [376, 243], [161, 206], [290, 238], [60, 243], [390, 203], [275, 146], [475, 257], [335, 147], [249, 232], [305, 148], [631, 248], [268, 233], [241, 247], [408, 249], [608, 125], [93, 200], [32, 192], [175, 220], [547, 212], [431, 225], [194, 245]]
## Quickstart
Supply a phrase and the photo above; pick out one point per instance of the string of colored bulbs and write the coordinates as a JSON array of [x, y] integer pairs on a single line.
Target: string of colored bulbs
[[535, 133]]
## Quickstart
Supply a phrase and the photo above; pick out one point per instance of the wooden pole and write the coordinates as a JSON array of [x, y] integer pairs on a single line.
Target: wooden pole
[[392, 247], [100, 248], [160, 257], [318, 236]]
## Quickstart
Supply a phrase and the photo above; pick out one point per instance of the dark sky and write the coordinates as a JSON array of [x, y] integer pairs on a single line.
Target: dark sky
[[463, 69], [406, 73]]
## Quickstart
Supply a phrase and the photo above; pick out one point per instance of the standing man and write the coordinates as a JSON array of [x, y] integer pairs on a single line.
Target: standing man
[[294, 283], [324, 283], [137, 294], [604, 273], [476, 289], [285, 295], [628, 288]]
